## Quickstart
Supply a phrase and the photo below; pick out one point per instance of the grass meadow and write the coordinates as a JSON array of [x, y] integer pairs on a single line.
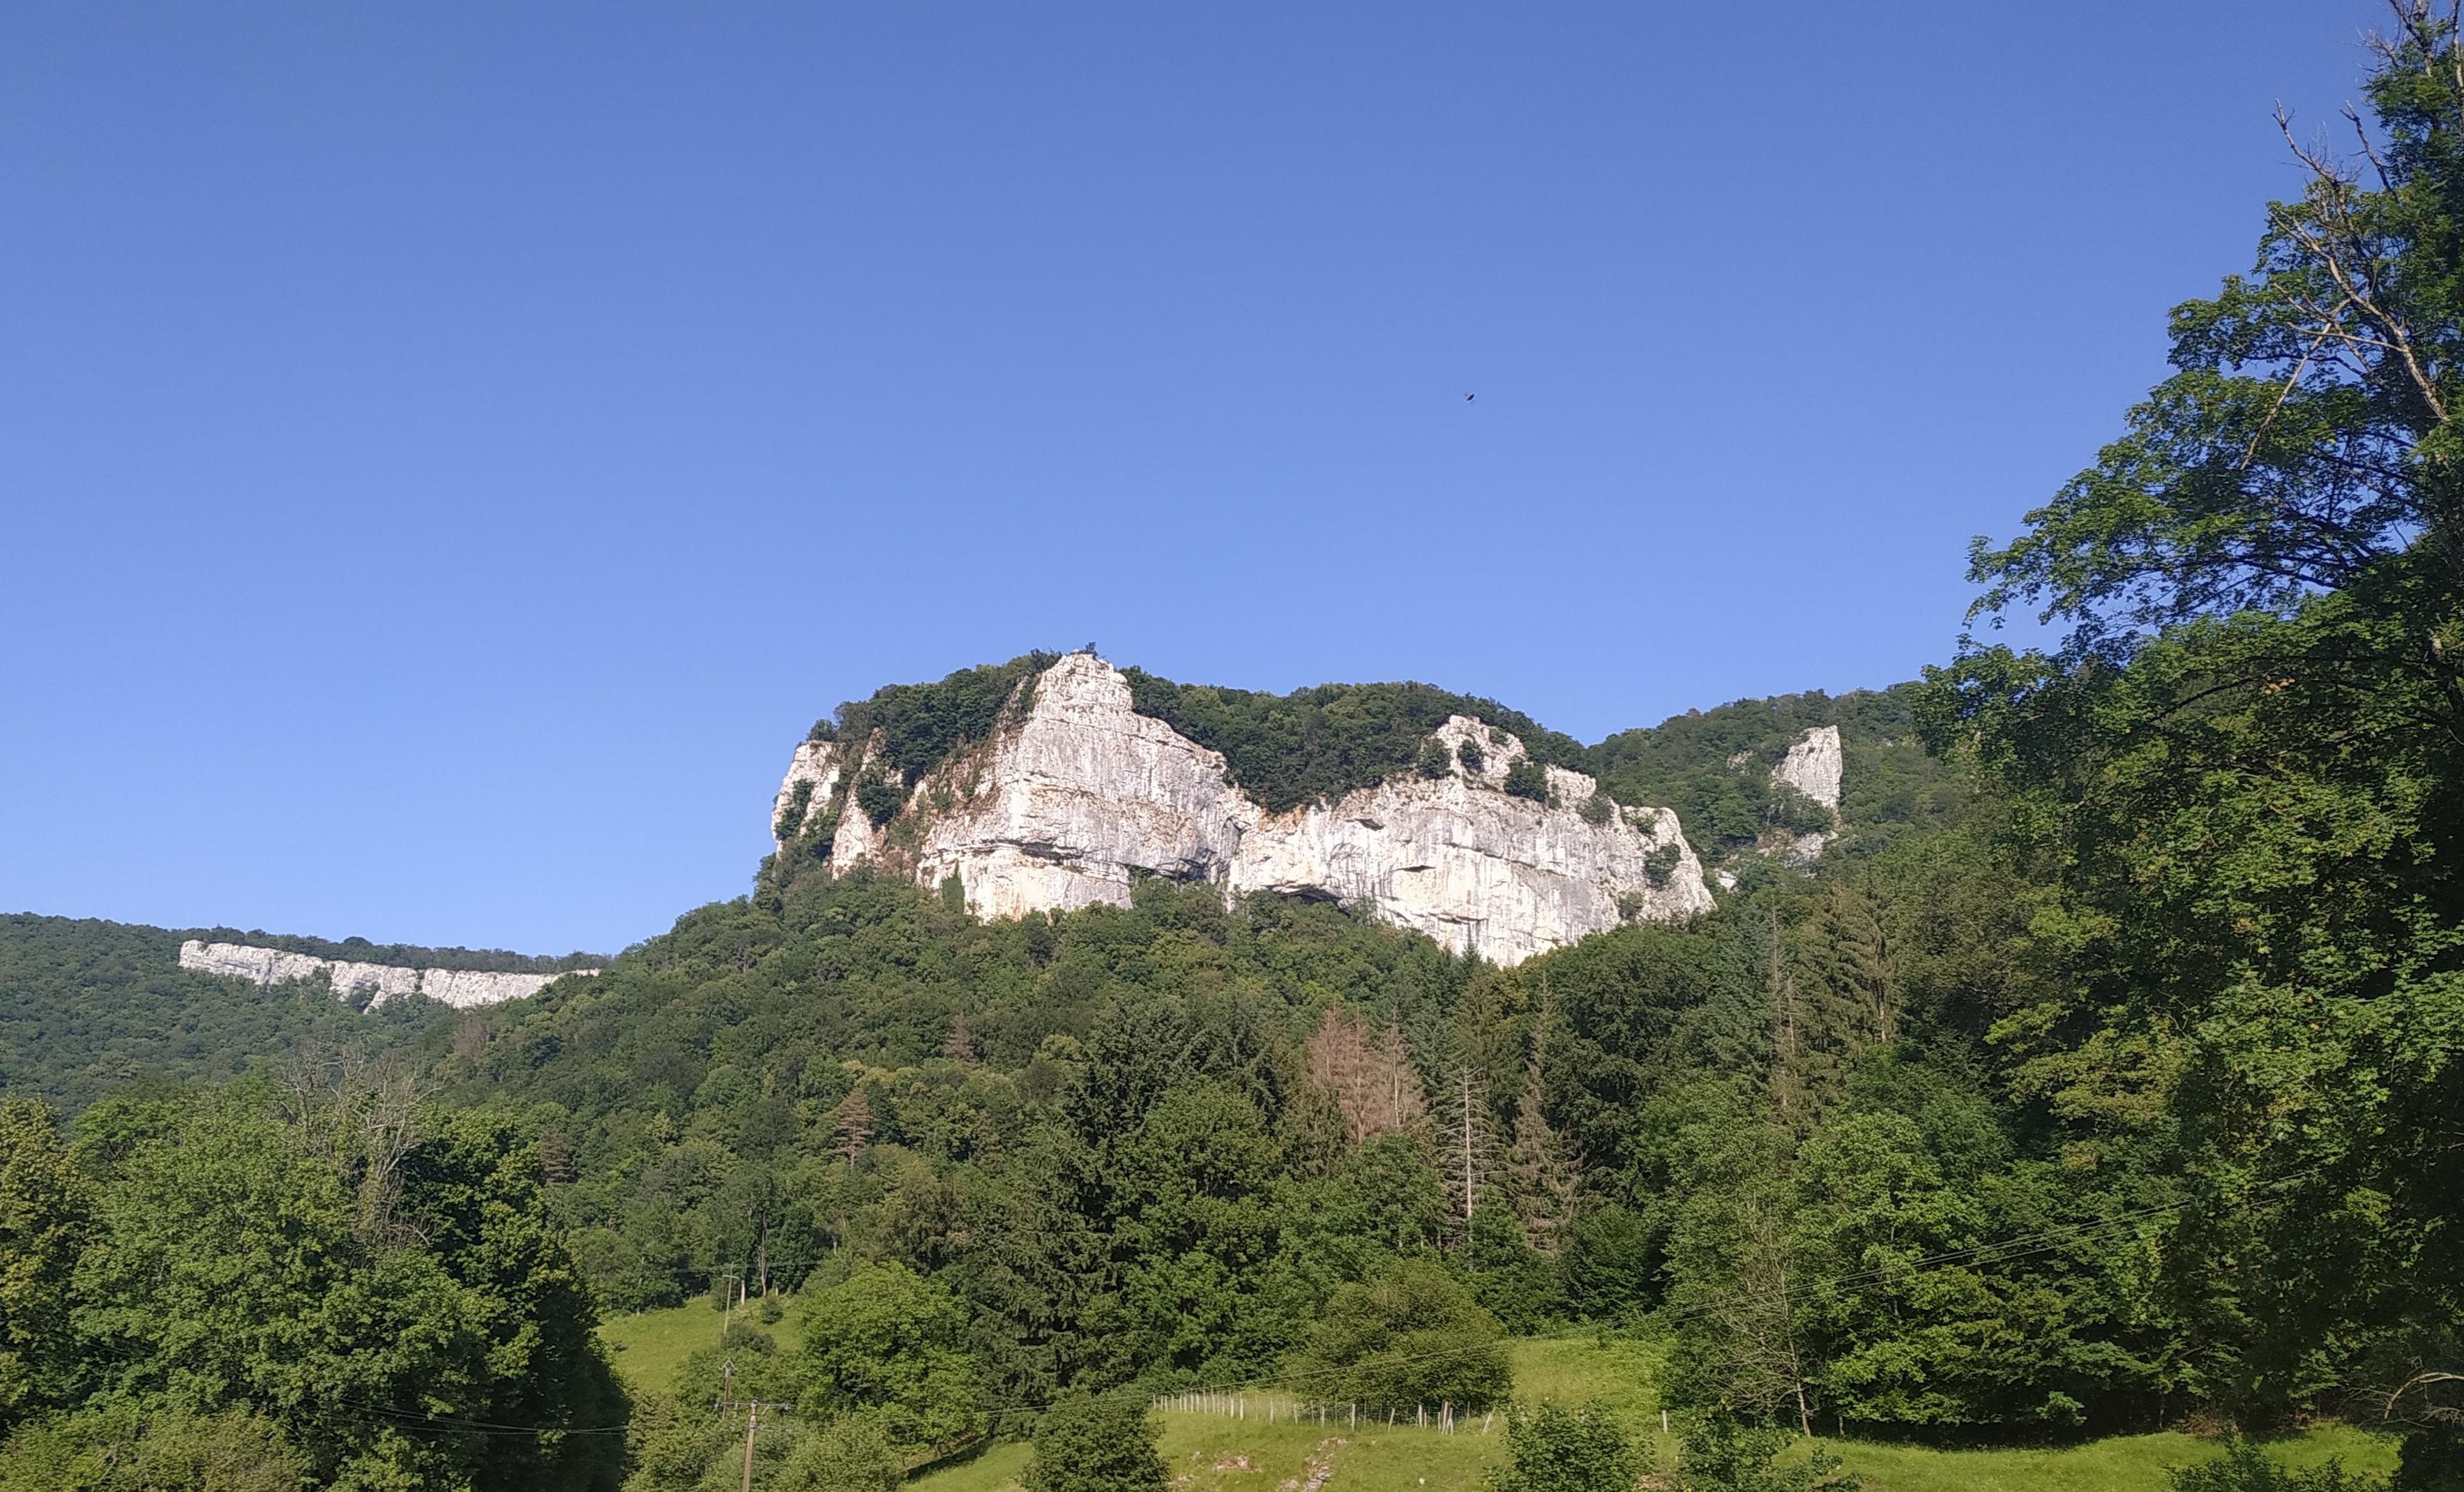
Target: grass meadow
[[1271, 1444]]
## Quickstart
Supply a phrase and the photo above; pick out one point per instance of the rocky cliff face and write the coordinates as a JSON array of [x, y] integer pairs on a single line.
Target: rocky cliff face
[[379, 984], [1815, 765], [1080, 793]]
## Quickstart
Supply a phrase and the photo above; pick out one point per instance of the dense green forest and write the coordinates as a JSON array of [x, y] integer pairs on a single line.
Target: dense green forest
[[87, 1006], [2103, 1074]]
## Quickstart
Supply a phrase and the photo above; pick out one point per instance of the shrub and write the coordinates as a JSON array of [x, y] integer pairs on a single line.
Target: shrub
[[879, 796], [2242, 1468], [1527, 779], [1596, 809], [1092, 1443], [791, 818], [1468, 752], [1434, 760], [1722, 1454], [1555, 1449], [849, 1455], [1412, 1336]]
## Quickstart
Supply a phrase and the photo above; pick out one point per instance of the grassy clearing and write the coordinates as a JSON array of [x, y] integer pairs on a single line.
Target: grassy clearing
[[650, 1346], [1219, 1452], [2121, 1464]]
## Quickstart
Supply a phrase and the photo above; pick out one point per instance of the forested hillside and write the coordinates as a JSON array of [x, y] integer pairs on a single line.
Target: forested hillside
[[87, 1006]]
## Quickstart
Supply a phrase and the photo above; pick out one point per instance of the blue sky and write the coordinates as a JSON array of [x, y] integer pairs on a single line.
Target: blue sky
[[450, 454]]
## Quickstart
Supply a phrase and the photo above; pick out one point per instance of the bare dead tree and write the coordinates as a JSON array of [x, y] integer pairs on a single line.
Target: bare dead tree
[[1467, 1141], [851, 1128], [360, 1117], [1369, 1075]]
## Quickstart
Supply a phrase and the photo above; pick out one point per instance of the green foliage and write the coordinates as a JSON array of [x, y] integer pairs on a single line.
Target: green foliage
[[1412, 1336], [2245, 1468], [1551, 1448], [1713, 766], [121, 1448], [406, 955], [892, 1345], [1468, 752], [673, 1445], [1527, 779], [921, 724], [744, 1363], [880, 796], [1096, 1443], [1315, 744], [791, 816], [2241, 772], [45, 1220], [1434, 760], [848, 1455], [1722, 1454], [245, 1263], [1510, 1279], [87, 1006]]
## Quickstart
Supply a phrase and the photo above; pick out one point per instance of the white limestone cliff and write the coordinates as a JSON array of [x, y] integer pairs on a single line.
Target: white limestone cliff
[[460, 988], [1815, 765], [1069, 803]]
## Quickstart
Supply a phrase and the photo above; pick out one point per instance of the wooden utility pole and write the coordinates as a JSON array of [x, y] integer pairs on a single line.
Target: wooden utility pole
[[753, 1409]]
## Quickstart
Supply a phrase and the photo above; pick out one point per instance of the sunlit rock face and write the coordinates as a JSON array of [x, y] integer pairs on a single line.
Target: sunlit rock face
[[1068, 805], [1815, 766], [368, 983]]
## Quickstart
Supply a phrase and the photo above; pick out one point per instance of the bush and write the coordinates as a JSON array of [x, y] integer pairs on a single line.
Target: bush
[[1555, 1449], [791, 818], [1412, 1336], [1434, 760], [1720, 1454], [1468, 752], [1092, 1443], [2243, 1468], [850, 1455], [1527, 779], [1596, 809], [234, 1451], [880, 797]]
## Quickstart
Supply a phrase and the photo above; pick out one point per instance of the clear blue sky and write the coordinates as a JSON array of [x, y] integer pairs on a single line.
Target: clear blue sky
[[450, 454]]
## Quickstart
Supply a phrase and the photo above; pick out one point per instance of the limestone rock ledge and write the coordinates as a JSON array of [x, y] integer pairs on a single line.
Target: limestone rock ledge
[[1067, 804], [460, 988]]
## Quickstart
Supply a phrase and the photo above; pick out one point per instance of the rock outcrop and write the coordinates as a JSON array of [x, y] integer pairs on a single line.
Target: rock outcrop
[[1080, 794], [376, 983], [1815, 764]]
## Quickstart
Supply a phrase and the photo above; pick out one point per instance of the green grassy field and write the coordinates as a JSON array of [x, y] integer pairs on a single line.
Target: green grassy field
[[649, 1347], [1212, 1451], [1217, 1453]]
